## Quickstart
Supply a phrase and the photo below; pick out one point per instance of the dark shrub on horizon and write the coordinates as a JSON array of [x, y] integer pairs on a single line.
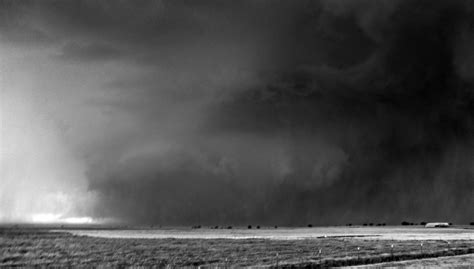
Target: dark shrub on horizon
[[229, 227], [258, 226], [405, 223], [349, 224], [371, 224], [471, 223], [423, 223], [365, 224], [310, 225], [276, 227], [249, 227]]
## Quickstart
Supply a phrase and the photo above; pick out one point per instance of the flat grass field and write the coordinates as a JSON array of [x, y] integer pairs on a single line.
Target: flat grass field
[[458, 261], [41, 246]]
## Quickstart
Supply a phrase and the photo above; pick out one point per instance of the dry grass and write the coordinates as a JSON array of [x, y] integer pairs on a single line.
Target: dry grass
[[459, 261], [23, 247]]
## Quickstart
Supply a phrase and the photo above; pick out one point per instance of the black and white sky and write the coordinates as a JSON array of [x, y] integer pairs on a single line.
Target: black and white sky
[[237, 112]]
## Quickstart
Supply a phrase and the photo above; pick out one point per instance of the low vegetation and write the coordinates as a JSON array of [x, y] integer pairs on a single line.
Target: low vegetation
[[27, 247], [458, 261]]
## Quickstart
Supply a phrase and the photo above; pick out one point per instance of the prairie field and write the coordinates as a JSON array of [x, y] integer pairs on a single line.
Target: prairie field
[[458, 261], [309, 247]]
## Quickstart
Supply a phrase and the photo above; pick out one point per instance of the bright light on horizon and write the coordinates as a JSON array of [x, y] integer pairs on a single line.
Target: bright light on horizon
[[79, 220], [45, 218], [57, 218]]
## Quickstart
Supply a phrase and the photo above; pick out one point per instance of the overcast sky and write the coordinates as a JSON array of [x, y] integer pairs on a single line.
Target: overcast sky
[[237, 112]]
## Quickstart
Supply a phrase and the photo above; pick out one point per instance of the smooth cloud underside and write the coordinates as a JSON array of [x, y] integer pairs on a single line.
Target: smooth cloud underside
[[276, 112]]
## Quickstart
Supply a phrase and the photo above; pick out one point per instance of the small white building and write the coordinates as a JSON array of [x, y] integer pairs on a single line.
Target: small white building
[[437, 225]]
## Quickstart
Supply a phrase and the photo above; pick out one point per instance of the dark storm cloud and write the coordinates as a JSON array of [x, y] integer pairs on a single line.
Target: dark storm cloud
[[384, 98], [404, 118], [17, 28], [24, 35], [89, 52], [279, 112]]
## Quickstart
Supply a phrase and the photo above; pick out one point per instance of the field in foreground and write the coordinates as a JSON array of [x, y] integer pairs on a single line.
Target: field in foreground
[[21, 247], [459, 261]]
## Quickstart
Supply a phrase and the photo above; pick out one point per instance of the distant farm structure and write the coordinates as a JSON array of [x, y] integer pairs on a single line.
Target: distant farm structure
[[437, 225]]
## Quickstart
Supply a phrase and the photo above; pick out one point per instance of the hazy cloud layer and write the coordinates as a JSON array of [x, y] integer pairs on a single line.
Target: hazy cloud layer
[[276, 112]]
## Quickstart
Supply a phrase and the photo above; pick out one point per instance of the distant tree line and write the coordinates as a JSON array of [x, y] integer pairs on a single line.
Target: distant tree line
[[403, 223]]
